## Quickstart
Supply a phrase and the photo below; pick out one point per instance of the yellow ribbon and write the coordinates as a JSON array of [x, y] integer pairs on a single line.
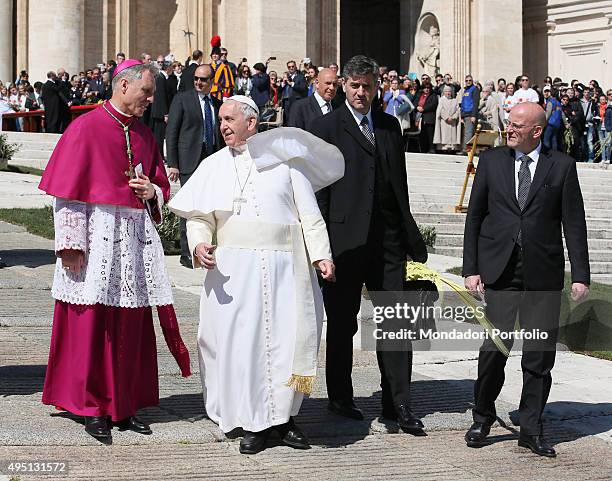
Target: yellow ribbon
[[416, 271]]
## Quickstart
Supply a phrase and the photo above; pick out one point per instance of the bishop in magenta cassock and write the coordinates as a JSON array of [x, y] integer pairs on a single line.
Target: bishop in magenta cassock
[[109, 184]]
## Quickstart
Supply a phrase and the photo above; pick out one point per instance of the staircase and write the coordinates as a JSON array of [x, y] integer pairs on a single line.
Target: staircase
[[435, 184]]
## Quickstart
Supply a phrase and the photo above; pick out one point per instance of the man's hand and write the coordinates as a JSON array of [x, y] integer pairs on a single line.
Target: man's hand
[[419, 109], [473, 119], [327, 269], [173, 174], [580, 291], [474, 285], [143, 188], [72, 260], [204, 252]]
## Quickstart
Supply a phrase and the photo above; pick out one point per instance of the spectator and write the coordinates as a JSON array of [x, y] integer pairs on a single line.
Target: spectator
[[525, 93], [76, 91], [107, 91], [96, 86], [508, 101], [553, 120], [145, 58], [573, 127], [244, 84], [56, 104], [488, 108], [448, 82], [447, 133], [231, 65], [589, 109], [470, 99], [393, 101], [276, 88], [607, 123], [186, 78], [38, 93], [261, 86], [427, 104], [501, 86], [311, 77], [177, 67], [294, 87]]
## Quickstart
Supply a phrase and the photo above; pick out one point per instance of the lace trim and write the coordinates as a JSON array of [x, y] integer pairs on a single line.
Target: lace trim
[[124, 264]]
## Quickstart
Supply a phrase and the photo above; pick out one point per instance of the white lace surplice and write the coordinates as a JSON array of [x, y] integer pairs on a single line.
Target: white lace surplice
[[124, 265]]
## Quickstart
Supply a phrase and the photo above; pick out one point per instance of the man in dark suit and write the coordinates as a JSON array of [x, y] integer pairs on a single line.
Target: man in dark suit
[[261, 86], [192, 134], [372, 233], [161, 104], [189, 71], [304, 111], [521, 197], [294, 88], [56, 104]]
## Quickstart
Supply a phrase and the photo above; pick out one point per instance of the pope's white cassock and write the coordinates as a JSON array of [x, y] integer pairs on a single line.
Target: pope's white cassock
[[261, 309]]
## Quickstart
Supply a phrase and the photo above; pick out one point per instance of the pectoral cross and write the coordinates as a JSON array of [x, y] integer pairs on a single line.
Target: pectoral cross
[[130, 174], [238, 201]]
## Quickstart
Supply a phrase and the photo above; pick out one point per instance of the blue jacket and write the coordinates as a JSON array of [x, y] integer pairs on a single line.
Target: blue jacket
[[469, 101], [555, 117]]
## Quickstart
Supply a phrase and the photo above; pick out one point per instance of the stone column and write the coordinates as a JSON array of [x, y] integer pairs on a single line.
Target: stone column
[[7, 74], [56, 37], [330, 31], [461, 60]]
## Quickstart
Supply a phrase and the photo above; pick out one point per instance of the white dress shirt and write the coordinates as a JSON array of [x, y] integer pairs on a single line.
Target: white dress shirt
[[535, 155], [325, 106], [358, 117]]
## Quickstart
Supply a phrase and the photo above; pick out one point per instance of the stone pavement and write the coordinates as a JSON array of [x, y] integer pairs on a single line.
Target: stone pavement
[[185, 445]]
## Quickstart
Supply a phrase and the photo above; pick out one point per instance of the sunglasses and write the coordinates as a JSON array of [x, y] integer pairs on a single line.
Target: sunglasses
[[203, 79]]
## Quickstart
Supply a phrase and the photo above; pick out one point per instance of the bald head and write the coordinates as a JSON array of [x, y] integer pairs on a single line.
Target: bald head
[[204, 71], [326, 84], [526, 124]]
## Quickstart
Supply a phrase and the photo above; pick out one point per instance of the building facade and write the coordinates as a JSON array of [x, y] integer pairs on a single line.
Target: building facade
[[487, 38]]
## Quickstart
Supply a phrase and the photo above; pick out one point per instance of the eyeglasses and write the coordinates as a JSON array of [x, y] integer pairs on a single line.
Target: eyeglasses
[[202, 79], [513, 126], [524, 78]]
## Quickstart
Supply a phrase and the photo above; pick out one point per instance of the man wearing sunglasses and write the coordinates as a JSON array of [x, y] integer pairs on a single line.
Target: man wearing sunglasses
[[192, 134], [526, 93]]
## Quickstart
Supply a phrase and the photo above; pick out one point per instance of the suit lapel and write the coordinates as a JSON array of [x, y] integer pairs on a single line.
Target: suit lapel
[[350, 125], [545, 162], [314, 105]]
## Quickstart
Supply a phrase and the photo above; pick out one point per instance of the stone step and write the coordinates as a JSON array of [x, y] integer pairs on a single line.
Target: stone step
[[28, 153], [35, 163], [456, 240], [602, 278], [31, 137], [597, 267], [43, 146], [438, 218], [451, 200], [457, 228], [455, 182]]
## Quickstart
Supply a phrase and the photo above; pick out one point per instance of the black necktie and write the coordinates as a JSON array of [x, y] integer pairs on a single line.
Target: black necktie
[[524, 179], [209, 138], [365, 129]]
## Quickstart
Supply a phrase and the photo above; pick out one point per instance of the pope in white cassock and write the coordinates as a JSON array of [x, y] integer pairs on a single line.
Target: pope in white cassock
[[261, 309]]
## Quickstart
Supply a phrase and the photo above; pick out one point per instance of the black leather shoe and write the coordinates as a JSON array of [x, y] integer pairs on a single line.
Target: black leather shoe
[[346, 409], [186, 261], [97, 426], [292, 436], [134, 424], [537, 444], [407, 420], [389, 413], [476, 435], [253, 443]]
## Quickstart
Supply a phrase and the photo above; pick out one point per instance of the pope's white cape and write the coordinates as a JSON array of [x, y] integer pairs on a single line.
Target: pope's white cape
[[320, 162]]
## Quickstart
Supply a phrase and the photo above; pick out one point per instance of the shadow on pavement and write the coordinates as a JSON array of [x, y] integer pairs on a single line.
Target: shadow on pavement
[[28, 257], [21, 380]]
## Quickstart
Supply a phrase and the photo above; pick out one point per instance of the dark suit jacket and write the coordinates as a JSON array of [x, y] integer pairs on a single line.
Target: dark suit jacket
[[494, 219], [185, 131], [347, 204], [429, 109], [303, 112], [171, 88], [160, 105], [187, 78], [56, 106], [261, 89]]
